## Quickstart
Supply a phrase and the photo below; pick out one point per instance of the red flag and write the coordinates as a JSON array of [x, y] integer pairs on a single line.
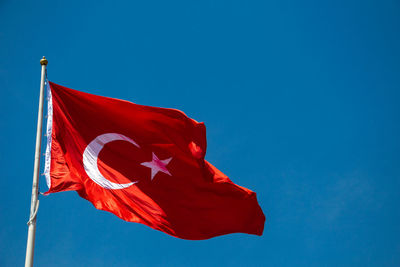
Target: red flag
[[143, 164]]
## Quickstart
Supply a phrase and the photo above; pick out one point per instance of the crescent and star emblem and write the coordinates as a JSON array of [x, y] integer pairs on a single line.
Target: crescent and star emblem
[[92, 151]]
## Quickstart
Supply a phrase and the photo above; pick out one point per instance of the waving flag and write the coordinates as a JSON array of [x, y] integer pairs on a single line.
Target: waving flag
[[143, 164]]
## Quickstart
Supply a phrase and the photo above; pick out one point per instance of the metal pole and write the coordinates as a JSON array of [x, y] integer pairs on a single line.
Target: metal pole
[[35, 184]]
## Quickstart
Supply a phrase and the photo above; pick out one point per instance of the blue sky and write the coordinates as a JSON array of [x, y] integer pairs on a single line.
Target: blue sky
[[301, 104]]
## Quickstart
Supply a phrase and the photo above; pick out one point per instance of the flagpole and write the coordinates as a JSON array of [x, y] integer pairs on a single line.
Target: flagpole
[[35, 184]]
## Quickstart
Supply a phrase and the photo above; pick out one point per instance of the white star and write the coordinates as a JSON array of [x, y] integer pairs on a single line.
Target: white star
[[156, 165]]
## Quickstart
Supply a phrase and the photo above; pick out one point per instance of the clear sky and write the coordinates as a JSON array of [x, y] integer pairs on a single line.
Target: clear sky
[[301, 100]]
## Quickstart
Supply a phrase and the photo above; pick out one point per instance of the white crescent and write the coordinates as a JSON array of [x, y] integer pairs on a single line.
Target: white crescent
[[91, 154]]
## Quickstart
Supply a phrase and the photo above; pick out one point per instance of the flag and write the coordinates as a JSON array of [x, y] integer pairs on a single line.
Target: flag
[[144, 164]]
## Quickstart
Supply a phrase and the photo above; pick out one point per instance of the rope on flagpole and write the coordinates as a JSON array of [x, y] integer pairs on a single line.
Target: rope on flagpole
[[33, 216]]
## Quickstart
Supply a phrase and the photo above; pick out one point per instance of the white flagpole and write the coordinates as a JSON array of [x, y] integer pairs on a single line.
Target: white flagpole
[[35, 184]]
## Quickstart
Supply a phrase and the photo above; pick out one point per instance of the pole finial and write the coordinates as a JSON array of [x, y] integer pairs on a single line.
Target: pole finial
[[43, 61]]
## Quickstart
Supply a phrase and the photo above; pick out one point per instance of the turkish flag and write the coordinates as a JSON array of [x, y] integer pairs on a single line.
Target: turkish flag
[[143, 164]]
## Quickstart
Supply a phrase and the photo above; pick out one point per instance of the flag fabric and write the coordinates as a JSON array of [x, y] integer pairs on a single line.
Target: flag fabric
[[143, 164]]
